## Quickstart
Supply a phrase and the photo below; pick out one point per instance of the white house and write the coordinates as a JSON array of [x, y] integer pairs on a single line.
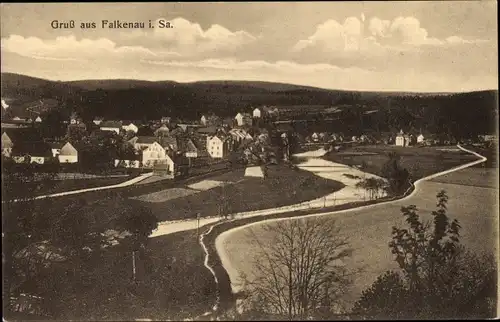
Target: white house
[[240, 135], [218, 147], [420, 138], [7, 145], [243, 119], [74, 118], [38, 119], [257, 113], [65, 153], [153, 154], [98, 120], [114, 126], [130, 127], [203, 120], [315, 137], [402, 139], [68, 154]]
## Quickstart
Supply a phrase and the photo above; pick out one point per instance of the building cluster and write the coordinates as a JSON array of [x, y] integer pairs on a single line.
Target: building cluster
[[164, 144]]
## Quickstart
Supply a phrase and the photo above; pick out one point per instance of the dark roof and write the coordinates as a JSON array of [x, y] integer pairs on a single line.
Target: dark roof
[[112, 124], [207, 130], [17, 122], [169, 141], [39, 149], [82, 125], [146, 139], [186, 145], [57, 145], [19, 135], [284, 127]]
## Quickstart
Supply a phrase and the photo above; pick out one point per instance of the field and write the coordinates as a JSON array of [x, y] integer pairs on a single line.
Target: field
[[238, 193], [369, 230], [420, 161]]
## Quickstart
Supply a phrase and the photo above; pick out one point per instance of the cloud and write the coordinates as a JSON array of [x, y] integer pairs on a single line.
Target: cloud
[[185, 39], [190, 39], [400, 34], [69, 48], [334, 36]]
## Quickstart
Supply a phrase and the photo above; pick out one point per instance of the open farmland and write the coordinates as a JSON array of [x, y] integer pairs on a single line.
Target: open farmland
[[419, 161], [237, 193], [369, 230]]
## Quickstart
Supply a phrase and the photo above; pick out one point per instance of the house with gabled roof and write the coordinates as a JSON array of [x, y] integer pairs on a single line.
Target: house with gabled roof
[[75, 118], [32, 152], [243, 119], [219, 146], [142, 142], [129, 126], [112, 126], [64, 152], [256, 113], [68, 154], [162, 131], [98, 120], [169, 143], [402, 139], [239, 134], [7, 145], [203, 120], [187, 147]]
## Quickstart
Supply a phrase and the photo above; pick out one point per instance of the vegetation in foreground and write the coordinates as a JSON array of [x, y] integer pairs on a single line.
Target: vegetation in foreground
[[57, 255], [437, 277]]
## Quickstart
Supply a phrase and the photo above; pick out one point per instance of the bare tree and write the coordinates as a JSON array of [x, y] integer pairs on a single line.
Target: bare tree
[[299, 273]]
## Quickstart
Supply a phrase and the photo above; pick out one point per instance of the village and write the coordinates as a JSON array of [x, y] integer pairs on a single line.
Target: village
[[170, 148]]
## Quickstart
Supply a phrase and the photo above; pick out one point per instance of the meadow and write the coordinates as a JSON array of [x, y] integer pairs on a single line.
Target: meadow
[[369, 230], [237, 193], [419, 161]]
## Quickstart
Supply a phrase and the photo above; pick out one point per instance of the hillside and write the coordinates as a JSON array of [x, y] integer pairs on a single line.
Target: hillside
[[460, 114]]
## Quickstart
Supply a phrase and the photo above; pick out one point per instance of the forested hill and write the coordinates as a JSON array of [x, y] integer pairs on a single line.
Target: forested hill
[[136, 99]]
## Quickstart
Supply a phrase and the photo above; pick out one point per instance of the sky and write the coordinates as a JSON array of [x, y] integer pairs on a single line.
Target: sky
[[435, 46]]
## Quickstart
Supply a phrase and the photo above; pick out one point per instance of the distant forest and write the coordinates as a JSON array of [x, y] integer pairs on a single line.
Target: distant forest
[[461, 115]]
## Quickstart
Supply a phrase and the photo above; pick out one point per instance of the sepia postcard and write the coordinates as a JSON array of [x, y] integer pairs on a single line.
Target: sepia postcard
[[240, 161]]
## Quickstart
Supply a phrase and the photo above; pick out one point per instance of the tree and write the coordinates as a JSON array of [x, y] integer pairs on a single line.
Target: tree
[[374, 186], [438, 277], [397, 176], [299, 272]]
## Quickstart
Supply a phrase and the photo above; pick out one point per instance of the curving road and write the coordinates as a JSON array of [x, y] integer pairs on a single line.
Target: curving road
[[320, 167], [221, 239]]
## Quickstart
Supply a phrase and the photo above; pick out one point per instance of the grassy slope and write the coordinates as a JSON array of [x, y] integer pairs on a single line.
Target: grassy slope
[[56, 186], [284, 186], [369, 230]]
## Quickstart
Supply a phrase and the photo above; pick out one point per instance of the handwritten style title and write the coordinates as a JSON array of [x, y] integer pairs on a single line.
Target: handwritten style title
[[109, 24]]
